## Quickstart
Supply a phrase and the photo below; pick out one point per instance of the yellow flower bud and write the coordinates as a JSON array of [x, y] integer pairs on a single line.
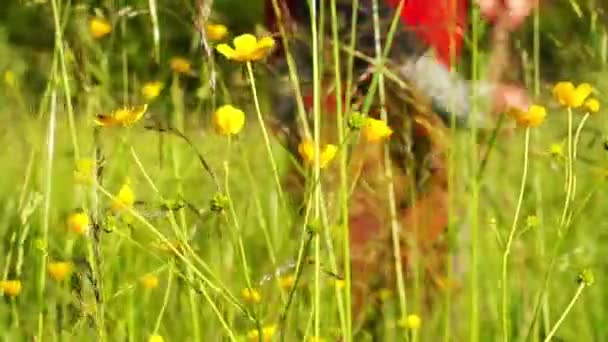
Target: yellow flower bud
[[11, 288], [150, 281], [307, 151], [251, 296], [124, 199], [375, 130], [216, 31], [156, 338], [228, 120], [593, 105], [60, 270], [78, 222], [99, 27], [180, 65], [267, 333], [412, 322], [151, 90]]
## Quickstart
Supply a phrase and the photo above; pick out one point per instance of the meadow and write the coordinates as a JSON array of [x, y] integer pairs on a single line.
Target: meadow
[[132, 209]]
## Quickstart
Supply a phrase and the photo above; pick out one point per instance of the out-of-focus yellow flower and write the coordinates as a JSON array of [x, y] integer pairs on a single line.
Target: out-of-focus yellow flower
[[151, 90], [287, 282], [216, 31], [99, 27], [78, 222], [83, 173], [556, 150], [156, 338], [267, 333], [412, 322], [307, 152], [375, 130], [569, 96], [385, 294], [150, 281], [180, 65], [534, 117], [60, 270], [247, 48], [9, 78], [252, 296], [228, 120], [316, 339], [125, 116], [592, 105], [338, 283], [124, 199], [11, 288]]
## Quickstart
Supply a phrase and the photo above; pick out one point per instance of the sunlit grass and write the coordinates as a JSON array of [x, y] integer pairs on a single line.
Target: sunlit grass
[[176, 225]]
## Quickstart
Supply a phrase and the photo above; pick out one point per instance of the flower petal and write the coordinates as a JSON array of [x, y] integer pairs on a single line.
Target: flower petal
[[226, 50], [105, 120], [245, 42], [134, 114]]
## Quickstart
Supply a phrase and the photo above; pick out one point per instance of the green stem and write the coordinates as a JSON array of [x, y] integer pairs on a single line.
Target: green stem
[[570, 171], [50, 143], [579, 290], [64, 77], [388, 173], [258, 111], [317, 86], [474, 200], [343, 190], [505, 257]]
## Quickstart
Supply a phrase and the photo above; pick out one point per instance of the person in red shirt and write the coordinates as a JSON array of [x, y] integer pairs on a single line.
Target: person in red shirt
[[424, 49]]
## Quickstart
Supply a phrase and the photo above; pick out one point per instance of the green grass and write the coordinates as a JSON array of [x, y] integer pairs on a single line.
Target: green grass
[[242, 231]]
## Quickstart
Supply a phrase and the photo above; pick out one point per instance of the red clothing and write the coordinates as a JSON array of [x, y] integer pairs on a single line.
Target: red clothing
[[439, 23]]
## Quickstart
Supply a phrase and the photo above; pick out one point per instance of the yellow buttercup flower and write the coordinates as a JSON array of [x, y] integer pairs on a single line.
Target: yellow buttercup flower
[[228, 120], [83, 173], [124, 199], [247, 48], [156, 338], [375, 130], [11, 288], [78, 222], [533, 117], [267, 333], [338, 283], [150, 281], [99, 27], [251, 296], [287, 282], [9, 78], [385, 294], [151, 90], [592, 105], [216, 31], [180, 65], [412, 322], [60, 270], [570, 96], [556, 150], [307, 152], [125, 116]]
